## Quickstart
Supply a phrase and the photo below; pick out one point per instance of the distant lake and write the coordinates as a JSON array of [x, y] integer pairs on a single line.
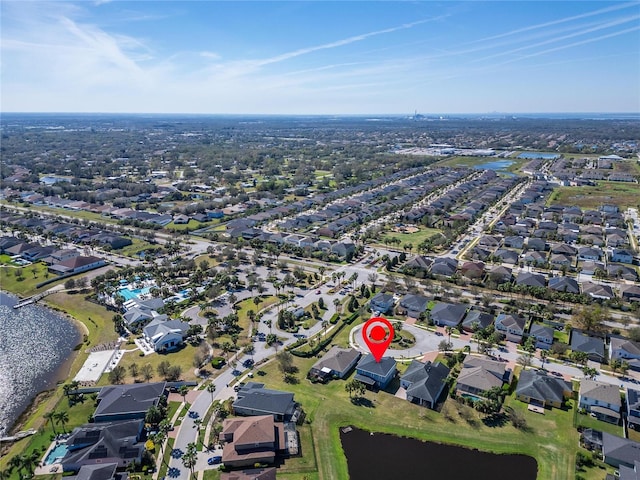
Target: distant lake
[[381, 456], [498, 165]]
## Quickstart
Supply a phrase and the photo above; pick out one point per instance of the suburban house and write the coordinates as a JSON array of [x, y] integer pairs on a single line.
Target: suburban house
[[476, 320], [623, 349], [622, 255], [102, 471], [336, 363], [165, 335], [619, 452], [96, 444], [511, 325], [592, 346], [597, 291], [424, 382], [505, 255], [479, 375], [448, 314], [538, 388], [412, 305], [529, 279], [254, 400], [375, 375], [542, 334], [630, 293], [76, 264], [382, 302], [564, 284], [500, 274], [633, 408], [444, 266], [601, 399], [250, 441], [589, 253], [125, 402]]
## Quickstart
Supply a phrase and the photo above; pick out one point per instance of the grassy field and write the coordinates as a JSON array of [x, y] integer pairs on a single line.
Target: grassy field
[[413, 238], [617, 193], [25, 286], [192, 225], [136, 246], [79, 214], [550, 438]]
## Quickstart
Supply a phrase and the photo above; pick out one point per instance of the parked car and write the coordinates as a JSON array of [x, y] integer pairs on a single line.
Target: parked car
[[214, 460], [248, 363]]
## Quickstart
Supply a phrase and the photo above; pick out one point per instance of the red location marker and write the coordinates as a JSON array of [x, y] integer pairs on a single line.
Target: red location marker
[[377, 334]]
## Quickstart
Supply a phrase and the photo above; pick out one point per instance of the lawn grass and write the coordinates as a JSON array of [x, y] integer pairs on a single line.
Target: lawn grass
[[31, 276], [415, 239], [622, 194], [79, 214], [182, 358], [136, 246], [181, 227]]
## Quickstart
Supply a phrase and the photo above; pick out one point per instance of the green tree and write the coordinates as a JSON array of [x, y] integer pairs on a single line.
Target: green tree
[[183, 390], [190, 457], [117, 374], [62, 418], [146, 371], [153, 415], [50, 418], [211, 388]]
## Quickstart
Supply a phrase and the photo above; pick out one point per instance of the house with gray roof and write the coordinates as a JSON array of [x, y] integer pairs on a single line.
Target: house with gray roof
[[95, 444], [619, 452], [448, 314], [374, 374], [529, 279], [623, 349], [630, 293], [564, 284], [125, 402], [476, 319], [424, 382], [511, 325], [255, 400], [622, 255], [633, 408], [103, 471], [336, 363], [543, 335], [592, 346], [382, 302], [412, 305], [505, 255], [538, 388], [444, 266], [479, 375], [165, 335], [500, 274], [597, 291], [601, 399]]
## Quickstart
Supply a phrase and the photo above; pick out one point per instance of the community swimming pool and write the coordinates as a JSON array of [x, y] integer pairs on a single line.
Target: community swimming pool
[[135, 293], [56, 454]]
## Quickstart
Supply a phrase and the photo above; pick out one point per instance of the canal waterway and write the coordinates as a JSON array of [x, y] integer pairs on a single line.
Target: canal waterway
[[35, 344], [389, 457]]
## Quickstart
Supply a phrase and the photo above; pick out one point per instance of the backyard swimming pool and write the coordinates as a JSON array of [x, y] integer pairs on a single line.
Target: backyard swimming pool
[[56, 454]]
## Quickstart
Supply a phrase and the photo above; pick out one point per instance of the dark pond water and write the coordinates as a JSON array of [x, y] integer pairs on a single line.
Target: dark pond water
[[388, 457]]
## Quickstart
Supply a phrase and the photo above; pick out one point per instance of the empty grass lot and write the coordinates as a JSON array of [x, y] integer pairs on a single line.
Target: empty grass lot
[[622, 194]]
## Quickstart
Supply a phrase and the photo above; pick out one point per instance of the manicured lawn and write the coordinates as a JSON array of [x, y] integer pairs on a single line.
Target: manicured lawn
[[617, 193], [136, 246], [413, 238], [587, 421], [31, 276], [212, 474], [192, 225]]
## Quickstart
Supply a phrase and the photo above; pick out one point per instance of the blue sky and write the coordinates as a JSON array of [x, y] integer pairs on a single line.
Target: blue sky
[[294, 57]]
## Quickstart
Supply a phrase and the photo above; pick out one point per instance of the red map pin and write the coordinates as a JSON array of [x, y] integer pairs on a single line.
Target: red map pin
[[378, 334]]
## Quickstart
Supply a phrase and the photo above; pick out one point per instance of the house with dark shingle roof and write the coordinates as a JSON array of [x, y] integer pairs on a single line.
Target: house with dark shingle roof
[[512, 326], [500, 274], [542, 334], [538, 388], [375, 374], [125, 402], [623, 348], [564, 284], [619, 452], [424, 382], [601, 399], [253, 399], [336, 363], [412, 305], [592, 346], [382, 302], [596, 290], [448, 314], [103, 443], [476, 319], [444, 266], [529, 279], [633, 408]]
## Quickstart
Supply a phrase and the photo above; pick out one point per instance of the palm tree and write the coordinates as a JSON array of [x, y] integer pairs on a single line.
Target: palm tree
[[190, 458], [183, 390], [153, 415], [50, 418], [211, 387], [62, 418]]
